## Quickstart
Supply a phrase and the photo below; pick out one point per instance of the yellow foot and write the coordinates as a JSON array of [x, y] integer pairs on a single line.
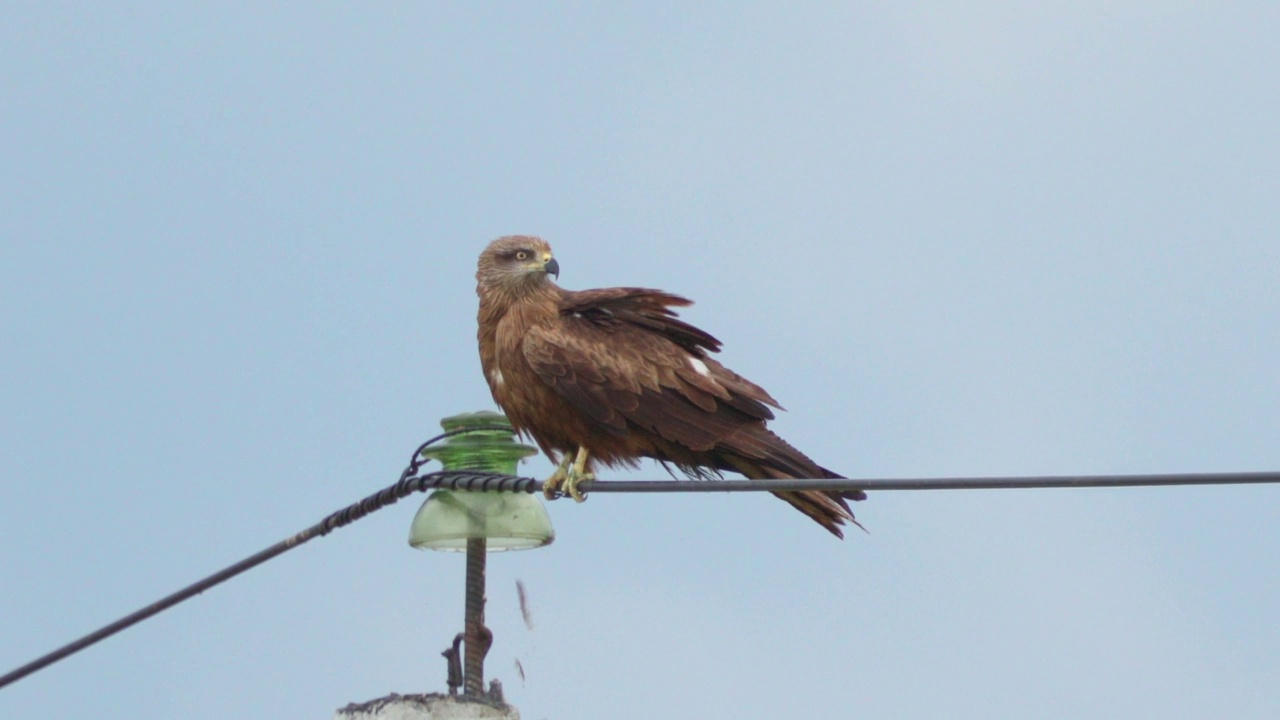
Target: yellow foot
[[571, 484], [551, 486], [564, 481]]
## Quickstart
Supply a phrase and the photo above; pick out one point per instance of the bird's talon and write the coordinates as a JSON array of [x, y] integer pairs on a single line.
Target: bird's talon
[[571, 486], [551, 487]]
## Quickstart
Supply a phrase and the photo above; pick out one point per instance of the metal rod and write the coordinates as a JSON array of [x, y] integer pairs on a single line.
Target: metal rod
[[477, 636]]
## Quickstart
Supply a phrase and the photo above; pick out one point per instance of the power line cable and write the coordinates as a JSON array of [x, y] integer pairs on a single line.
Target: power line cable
[[1024, 482], [410, 482], [350, 514]]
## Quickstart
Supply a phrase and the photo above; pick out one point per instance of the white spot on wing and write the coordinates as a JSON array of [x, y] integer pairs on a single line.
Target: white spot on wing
[[699, 367], [496, 376]]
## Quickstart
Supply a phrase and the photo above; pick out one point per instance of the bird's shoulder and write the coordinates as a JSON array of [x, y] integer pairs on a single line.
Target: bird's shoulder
[[643, 316]]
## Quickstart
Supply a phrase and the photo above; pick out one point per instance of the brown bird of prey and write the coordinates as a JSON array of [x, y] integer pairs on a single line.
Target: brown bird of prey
[[611, 376]]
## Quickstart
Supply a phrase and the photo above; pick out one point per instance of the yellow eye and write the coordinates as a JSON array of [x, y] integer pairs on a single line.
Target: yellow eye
[[522, 255]]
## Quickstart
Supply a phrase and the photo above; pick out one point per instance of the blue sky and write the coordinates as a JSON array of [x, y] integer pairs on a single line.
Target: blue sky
[[236, 291]]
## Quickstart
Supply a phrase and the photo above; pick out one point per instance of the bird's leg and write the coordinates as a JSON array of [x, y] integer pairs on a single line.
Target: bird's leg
[[564, 481], [577, 474], [551, 486]]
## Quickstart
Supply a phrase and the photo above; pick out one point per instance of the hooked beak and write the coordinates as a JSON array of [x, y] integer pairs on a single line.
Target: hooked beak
[[552, 268]]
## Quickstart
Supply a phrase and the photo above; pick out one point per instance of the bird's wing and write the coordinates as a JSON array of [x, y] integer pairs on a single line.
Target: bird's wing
[[621, 357]]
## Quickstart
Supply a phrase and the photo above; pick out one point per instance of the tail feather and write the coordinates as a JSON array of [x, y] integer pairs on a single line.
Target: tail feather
[[830, 509]]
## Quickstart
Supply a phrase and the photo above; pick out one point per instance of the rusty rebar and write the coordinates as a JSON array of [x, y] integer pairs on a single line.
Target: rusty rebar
[[478, 638]]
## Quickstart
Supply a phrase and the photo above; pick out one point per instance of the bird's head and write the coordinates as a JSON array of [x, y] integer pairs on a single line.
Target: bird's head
[[516, 264]]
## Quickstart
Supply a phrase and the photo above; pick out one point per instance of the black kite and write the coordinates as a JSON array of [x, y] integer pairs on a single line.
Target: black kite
[[612, 376]]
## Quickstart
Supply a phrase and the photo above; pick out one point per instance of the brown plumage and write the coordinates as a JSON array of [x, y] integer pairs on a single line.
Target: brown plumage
[[614, 374]]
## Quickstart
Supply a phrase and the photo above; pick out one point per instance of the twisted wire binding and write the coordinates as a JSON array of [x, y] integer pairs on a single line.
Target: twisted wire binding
[[440, 480]]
